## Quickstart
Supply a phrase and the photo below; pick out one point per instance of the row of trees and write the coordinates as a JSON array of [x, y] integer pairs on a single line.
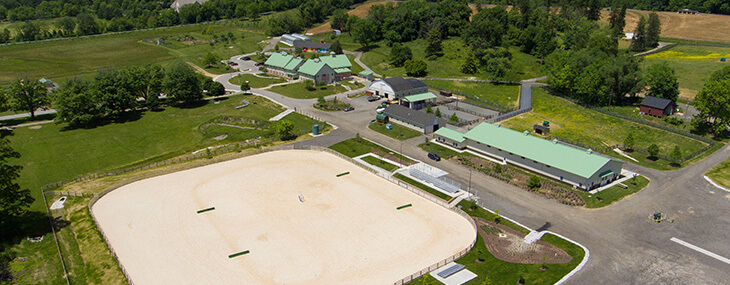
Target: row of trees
[[704, 6], [111, 93], [114, 92]]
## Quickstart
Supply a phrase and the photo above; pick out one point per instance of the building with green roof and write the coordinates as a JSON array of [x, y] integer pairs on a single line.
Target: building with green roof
[[283, 64], [584, 169], [450, 137], [327, 69]]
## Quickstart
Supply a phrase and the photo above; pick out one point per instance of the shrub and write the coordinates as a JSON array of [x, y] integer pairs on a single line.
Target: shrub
[[534, 182], [653, 150]]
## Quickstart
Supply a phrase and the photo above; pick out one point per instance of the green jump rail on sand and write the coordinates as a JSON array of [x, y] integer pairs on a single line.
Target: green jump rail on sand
[[404, 206], [206, 209], [238, 254], [343, 174]]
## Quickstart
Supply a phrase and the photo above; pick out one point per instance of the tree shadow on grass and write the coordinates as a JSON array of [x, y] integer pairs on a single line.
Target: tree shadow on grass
[[368, 48], [129, 116], [14, 229], [191, 105]]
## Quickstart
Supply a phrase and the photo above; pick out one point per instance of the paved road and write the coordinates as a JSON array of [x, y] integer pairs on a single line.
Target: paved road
[[358, 55]]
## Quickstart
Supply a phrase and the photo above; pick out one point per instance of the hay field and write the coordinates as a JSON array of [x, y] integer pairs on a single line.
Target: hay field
[[347, 230], [360, 11], [704, 27]]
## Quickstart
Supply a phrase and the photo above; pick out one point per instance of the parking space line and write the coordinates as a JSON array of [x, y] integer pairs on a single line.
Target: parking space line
[[703, 251]]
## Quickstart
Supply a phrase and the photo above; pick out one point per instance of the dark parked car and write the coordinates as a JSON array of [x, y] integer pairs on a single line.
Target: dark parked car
[[348, 109], [245, 58], [434, 156], [233, 64], [373, 98], [259, 64]]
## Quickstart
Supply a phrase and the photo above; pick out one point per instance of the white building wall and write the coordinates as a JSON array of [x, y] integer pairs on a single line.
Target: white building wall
[[382, 88], [546, 170]]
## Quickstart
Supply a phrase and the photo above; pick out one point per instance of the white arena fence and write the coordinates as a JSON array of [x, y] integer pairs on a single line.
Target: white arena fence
[[402, 184]]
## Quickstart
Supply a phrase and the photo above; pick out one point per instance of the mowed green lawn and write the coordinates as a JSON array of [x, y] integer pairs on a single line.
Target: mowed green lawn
[[693, 65], [256, 81], [577, 123], [299, 91], [63, 59], [503, 94], [51, 154], [721, 174]]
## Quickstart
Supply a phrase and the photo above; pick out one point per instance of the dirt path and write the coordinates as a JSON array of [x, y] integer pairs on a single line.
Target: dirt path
[[201, 70]]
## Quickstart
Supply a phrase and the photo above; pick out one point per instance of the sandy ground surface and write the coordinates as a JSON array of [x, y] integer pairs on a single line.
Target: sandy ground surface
[[347, 231]]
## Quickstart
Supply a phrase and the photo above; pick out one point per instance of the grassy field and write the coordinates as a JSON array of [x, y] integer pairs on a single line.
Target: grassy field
[[356, 68], [82, 57], [298, 90], [419, 185], [374, 161], [356, 147], [574, 122], [501, 272], [398, 132], [255, 81], [613, 194], [51, 153], [693, 65], [443, 152], [721, 174], [503, 94]]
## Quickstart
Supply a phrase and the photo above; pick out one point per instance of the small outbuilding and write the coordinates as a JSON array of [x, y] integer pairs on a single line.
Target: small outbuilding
[[47, 82], [416, 119], [687, 11], [366, 74], [657, 107]]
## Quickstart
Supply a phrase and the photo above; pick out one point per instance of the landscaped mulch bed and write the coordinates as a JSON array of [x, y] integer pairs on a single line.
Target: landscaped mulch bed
[[507, 244], [548, 189]]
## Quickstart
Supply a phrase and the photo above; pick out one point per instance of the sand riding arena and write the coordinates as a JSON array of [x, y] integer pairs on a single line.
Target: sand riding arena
[[281, 217]]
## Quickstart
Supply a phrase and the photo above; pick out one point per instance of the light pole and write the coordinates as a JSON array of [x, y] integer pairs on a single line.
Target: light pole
[[401, 154], [469, 189]]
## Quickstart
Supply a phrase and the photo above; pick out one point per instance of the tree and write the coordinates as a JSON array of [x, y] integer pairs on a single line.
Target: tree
[[470, 65], [210, 59], [454, 118], [433, 43], [676, 154], [713, 103], [182, 84], [87, 24], [653, 150], [29, 31], [115, 96], [437, 113], [534, 182], [245, 86], [67, 25], [144, 82], [364, 32], [663, 82], [638, 42], [617, 21], [399, 54], [28, 95], [214, 88], [416, 67], [14, 201], [285, 129], [429, 110], [629, 141], [336, 47], [76, 104], [653, 30]]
